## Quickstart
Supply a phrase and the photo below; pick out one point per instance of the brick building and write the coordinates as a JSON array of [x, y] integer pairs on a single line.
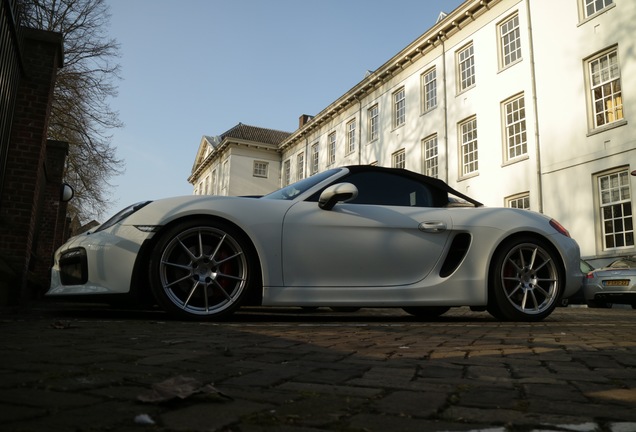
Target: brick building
[[32, 215]]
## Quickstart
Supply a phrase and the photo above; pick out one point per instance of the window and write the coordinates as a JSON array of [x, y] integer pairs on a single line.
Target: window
[[399, 108], [429, 90], [514, 113], [331, 148], [260, 169], [213, 186], [521, 201], [314, 159], [510, 40], [430, 156], [300, 166], [468, 140], [393, 190], [605, 89], [373, 123], [617, 223], [226, 177], [594, 6], [466, 68], [287, 172], [399, 159], [351, 136]]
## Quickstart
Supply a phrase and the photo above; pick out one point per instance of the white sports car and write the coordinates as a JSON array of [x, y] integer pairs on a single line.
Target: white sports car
[[357, 236]]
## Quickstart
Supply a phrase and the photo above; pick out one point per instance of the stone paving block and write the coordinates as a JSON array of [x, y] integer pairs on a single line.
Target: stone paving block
[[341, 390], [40, 397], [373, 422], [210, 416], [411, 404]]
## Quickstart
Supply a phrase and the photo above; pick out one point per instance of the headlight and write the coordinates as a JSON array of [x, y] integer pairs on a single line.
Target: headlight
[[120, 216]]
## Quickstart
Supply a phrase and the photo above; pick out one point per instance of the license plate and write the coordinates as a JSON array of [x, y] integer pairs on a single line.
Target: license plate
[[619, 282]]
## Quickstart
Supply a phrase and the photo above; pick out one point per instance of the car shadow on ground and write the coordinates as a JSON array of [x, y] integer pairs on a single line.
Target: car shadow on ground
[[72, 310]]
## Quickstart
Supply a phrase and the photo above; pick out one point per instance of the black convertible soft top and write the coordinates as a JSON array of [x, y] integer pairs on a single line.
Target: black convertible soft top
[[436, 183]]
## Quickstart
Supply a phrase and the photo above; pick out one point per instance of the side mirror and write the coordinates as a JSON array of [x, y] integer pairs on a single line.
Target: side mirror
[[66, 192], [341, 192]]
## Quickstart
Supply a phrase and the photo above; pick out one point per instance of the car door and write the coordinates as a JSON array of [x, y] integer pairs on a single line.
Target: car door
[[379, 239]]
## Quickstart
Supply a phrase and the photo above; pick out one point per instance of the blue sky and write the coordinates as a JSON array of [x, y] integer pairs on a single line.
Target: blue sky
[[199, 67]]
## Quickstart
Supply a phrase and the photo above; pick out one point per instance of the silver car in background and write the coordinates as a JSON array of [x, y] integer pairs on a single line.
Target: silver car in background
[[615, 283]]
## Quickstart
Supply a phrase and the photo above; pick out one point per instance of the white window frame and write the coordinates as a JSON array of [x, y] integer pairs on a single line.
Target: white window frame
[[430, 151], [398, 159], [509, 42], [315, 158], [519, 201], [429, 89], [605, 90], [351, 136], [469, 150], [260, 169], [300, 166], [399, 107], [286, 172], [331, 148], [615, 209], [373, 117], [513, 112], [465, 60], [589, 7]]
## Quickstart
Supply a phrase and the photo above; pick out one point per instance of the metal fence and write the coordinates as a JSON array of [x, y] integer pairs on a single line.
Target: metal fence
[[10, 72]]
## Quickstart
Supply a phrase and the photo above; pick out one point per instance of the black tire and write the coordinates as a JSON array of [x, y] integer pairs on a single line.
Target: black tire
[[526, 280], [426, 312], [202, 270]]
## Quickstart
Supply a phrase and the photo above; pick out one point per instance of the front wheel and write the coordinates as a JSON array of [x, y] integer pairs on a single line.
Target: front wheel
[[202, 270], [525, 281]]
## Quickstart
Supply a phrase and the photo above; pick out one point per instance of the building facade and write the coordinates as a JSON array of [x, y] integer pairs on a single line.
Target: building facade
[[242, 161], [517, 103]]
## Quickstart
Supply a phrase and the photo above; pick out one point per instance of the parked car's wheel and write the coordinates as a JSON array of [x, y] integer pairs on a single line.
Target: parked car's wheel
[[426, 312], [202, 270], [526, 280]]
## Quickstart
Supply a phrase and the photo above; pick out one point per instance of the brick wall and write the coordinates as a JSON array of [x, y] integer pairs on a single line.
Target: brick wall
[[26, 224]]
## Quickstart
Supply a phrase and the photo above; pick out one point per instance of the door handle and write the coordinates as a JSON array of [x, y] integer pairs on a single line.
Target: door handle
[[432, 227]]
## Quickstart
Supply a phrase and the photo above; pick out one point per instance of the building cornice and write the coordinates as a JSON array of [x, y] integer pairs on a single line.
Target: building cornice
[[451, 24]]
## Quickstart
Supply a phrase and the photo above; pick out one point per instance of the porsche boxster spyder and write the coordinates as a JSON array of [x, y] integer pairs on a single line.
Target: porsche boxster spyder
[[356, 236]]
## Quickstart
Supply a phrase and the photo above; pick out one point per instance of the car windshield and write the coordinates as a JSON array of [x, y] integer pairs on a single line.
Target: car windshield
[[293, 190]]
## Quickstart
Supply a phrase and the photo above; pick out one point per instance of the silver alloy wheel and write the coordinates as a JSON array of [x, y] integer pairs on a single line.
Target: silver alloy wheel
[[530, 279], [203, 271]]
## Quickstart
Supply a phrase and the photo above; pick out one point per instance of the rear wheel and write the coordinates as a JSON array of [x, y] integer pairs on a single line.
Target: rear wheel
[[202, 270], [525, 281]]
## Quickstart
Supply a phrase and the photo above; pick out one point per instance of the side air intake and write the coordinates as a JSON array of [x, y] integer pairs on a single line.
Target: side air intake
[[458, 249]]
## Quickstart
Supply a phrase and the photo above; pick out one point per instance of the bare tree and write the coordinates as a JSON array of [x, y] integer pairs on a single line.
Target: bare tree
[[80, 113]]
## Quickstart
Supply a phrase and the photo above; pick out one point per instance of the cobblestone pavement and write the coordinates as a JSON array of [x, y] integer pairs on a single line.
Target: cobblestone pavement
[[87, 368]]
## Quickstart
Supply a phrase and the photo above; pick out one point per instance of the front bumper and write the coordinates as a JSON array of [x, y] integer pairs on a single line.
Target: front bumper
[[97, 263]]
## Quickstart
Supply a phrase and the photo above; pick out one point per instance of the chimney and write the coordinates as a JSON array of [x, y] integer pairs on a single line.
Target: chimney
[[304, 119]]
